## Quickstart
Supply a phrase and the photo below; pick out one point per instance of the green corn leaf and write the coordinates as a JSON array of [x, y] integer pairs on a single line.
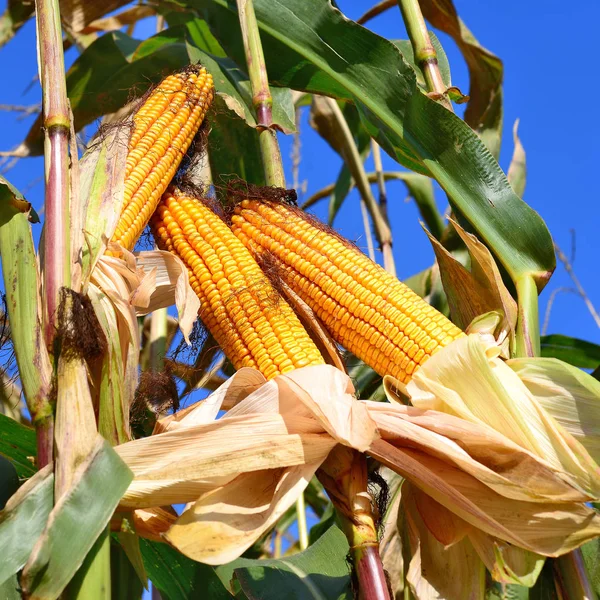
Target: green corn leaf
[[17, 444], [233, 149], [22, 285], [10, 589], [9, 481], [406, 48], [578, 353], [179, 578], [311, 47], [115, 68], [321, 571], [76, 521], [23, 520], [591, 557], [484, 111], [233, 85]]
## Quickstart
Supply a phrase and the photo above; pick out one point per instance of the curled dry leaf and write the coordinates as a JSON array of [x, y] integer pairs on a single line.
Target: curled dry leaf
[[152, 523], [478, 291], [480, 443], [436, 569], [457, 382], [567, 393], [246, 468]]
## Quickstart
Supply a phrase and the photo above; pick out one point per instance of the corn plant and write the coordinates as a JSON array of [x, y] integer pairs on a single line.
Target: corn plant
[[224, 397]]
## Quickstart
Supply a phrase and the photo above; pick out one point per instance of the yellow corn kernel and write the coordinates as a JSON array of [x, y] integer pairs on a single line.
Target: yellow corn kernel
[[367, 310], [163, 129], [254, 326]]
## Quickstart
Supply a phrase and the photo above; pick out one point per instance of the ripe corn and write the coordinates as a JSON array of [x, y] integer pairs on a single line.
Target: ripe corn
[[365, 309], [254, 326], [163, 129]]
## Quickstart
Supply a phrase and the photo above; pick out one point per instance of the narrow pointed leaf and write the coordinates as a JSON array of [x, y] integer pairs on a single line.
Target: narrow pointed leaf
[[474, 292], [22, 285], [517, 171]]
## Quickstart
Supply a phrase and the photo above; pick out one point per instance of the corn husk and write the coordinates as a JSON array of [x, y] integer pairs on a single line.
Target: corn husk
[[474, 384], [242, 471], [481, 444], [438, 569]]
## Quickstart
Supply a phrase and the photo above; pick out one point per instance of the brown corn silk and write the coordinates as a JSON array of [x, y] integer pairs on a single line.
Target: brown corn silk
[[252, 323], [367, 310], [163, 129]]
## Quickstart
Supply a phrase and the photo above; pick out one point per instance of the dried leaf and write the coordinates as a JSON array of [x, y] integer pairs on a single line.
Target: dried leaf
[[225, 522], [517, 170], [242, 384], [476, 449], [436, 571], [550, 528], [172, 286], [75, 424], [456, 381], [179, 465], [77, 14], [269, 444], [484, 111], [479, 291], [569, 394], [506, 563], [152, 523], [125, 18], [326, 394], [113, 383]]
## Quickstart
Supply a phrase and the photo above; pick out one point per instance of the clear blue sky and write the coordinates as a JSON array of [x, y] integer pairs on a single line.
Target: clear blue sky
[[548, 85]]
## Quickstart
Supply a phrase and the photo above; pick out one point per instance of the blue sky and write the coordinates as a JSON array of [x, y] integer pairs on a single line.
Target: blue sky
[[547, 86]]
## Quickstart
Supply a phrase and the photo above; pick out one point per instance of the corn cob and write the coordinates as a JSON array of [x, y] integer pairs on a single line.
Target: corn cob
[[163, 129], [254, 326], [365, 309]]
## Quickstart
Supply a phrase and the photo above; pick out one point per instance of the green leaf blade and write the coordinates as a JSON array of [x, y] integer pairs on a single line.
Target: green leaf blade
[[576, 352]]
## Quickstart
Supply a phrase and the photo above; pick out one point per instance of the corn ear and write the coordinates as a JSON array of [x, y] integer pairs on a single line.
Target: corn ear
[[163, 129], [365, 309], [239, 306]]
